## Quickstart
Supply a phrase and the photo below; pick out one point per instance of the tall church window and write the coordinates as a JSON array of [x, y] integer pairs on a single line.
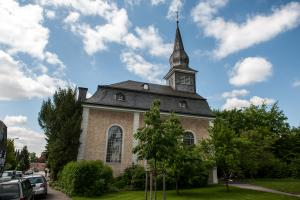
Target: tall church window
[[114, 144], [188, 138]]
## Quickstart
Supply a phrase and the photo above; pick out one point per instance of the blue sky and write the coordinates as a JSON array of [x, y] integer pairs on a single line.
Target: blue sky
[[245, 52]]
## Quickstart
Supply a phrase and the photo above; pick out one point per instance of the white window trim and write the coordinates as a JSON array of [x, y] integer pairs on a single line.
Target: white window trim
[[106, 144], [195, 138]]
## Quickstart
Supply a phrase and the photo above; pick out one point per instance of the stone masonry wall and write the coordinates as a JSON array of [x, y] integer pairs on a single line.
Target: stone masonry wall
[[99, 123]]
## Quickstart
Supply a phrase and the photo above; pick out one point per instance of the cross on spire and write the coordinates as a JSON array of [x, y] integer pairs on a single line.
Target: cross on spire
[[177, 18]]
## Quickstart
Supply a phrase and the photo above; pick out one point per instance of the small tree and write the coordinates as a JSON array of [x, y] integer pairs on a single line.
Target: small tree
[[225, 144], [24, 163], [61, 120], [158, 139], [32, 157], [11, 162]]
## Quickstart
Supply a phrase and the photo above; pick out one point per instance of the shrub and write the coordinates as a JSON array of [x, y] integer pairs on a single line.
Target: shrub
[[133, 178], [85, 178], [295, 167]]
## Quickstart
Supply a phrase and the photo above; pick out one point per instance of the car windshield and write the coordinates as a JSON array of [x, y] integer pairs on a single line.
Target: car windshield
[[35, 180], [5, 174], [9, 191]]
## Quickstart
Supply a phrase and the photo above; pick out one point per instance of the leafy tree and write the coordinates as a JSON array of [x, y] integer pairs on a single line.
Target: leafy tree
[[227, 155], [187, 167], [32, 157], [60, 119], [11, 162], [158, 139], [23, 159]]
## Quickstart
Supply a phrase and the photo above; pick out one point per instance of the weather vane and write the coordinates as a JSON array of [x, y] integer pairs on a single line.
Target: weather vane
[[177, 18]]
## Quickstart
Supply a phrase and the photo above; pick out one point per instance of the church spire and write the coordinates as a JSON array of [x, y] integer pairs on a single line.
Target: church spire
[[179, 56]]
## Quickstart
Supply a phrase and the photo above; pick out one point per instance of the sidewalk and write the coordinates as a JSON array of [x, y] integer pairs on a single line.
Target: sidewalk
[[262, 189], [56, 195]]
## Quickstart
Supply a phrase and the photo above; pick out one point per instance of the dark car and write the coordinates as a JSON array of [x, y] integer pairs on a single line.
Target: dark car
[[18, 189]]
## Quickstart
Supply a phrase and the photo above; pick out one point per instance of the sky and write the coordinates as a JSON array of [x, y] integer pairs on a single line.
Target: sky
[[245, 52]]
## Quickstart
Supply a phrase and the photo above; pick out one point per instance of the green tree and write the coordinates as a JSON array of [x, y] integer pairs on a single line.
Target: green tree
[[32, 157], [157, 140], [11, 162], [187, 167], [60, 119], [227, 155], [23, 158]]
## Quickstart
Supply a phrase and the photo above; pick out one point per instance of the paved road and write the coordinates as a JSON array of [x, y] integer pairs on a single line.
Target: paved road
[[55, 195], [258, 188]]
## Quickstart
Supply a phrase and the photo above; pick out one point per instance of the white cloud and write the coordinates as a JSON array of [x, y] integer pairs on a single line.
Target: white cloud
[[35, 141], [15, 120], [296, 83], [235, 93], [250, 70], [157, 2], [175, 6], [150, 39], [232, 103], [132, 2], [53, 59], [50, 14], [259, 101], [96, 38], [139, 66], [18, 82], [21, 28], [72, 17], [233, 37]]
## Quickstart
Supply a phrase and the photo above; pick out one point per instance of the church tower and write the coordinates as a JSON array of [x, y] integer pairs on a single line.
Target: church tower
[[180, 76]]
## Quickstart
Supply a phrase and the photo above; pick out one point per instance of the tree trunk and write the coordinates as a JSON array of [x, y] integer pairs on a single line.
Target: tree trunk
[[155, 179], [177, 188], [164, 186], [146, 186], [227, 184], [155, 186], [151, 181]]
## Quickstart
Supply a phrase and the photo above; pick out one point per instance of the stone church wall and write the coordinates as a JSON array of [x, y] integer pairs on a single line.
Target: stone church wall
[[98, 124], [99, 121]]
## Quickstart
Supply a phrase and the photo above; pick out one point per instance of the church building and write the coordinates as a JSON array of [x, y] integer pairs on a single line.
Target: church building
[[114, 112]]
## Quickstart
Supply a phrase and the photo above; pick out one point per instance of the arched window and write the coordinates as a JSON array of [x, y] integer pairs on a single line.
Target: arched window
[[114, 144], [188, 138]]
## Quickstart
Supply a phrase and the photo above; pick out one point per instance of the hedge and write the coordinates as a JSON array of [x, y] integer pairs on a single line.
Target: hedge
[[85, 178]]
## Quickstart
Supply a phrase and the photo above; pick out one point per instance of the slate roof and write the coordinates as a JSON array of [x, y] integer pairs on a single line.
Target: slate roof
[[136, 97]]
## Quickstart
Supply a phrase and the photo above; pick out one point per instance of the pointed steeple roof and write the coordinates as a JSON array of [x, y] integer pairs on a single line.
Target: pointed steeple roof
[[179, 57]]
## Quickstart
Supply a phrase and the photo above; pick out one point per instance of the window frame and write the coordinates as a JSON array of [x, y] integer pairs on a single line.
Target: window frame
[[192, 134], [107, 145], [120, 96]]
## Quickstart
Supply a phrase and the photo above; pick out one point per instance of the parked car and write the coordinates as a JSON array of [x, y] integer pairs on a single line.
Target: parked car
[[10, 174], [39, 184], [18, 189]]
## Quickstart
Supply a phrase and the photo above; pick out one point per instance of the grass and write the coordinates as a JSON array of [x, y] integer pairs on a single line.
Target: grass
[[284, 185], [208, 193]]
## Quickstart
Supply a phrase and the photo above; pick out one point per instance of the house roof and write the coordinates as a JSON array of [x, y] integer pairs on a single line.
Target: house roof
[[136, 97]]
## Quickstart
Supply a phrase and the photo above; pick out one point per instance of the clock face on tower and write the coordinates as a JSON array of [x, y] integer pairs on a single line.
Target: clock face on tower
[[185, 82]]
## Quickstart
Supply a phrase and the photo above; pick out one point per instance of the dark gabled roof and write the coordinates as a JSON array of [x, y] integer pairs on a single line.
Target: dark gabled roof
[[153, 88], [136, 97]]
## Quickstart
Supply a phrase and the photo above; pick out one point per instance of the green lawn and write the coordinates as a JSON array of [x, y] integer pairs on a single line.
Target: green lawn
[[207, 193], [284, 185]]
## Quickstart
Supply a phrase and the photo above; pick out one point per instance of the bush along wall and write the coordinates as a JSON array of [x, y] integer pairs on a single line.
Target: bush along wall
[[85, 178]]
